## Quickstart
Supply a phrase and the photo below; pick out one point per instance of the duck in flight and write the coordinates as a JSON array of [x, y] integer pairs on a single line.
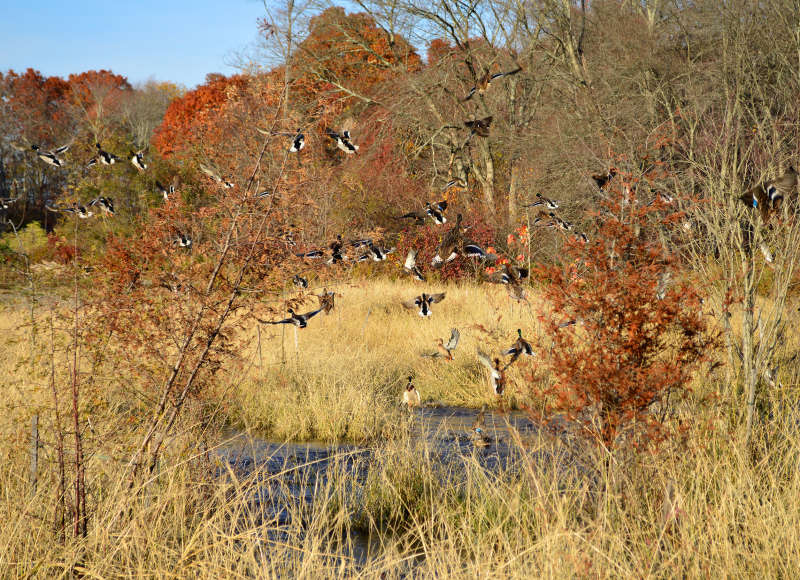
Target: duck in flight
[[215, 175], [76, 209], [497, 376], [423, 303], [486, 80], [519, 348], [767, 198], [103, 157], [603, 179], [479, 127], [446, 350], [411, 268], [51, 157], [137, 160], [435, 211], [542, 200], [106, 204], [164, 191], [184, 241], [343, 141], [299, 320], [298, 142]]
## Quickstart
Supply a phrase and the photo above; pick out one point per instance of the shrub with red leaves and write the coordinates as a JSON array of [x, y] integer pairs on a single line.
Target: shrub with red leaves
[[627, 328]]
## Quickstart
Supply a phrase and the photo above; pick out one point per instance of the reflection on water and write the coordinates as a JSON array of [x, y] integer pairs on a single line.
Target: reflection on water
[[288, 475]]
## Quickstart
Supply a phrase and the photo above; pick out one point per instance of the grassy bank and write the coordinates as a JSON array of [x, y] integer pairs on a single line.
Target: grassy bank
[[572, 511], [345, 376], [735, 518]]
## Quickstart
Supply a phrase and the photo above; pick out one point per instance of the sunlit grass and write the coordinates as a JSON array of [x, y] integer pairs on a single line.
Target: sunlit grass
[[571, 510], [346, 373]]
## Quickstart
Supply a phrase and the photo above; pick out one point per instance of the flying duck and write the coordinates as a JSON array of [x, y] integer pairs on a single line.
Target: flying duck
[[78, 210], [446, 350], [411, 394], [265, 194], [662, 197], [299, 281], [418, 217], [410, 266], [471, 249], [497, 378], [581, 237], [544, 219], [137, 160], [423, 302], [103, 157], [602, 179], [542, 200], [298, 142], [520, 347], [436, 211], [326, 300], [215, 175], [486, 80], [449, 244], [769, 197], [509, 275], [299, 320], [51, 157], [336, 250], [106, 204], [184, 241], [378, 253], [454, 183], [343, 141], [359, 243], [165, 192], [312, 254], [479, 127], [561, 223]]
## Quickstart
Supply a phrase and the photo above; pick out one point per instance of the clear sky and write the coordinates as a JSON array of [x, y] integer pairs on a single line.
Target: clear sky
[[168, 40]]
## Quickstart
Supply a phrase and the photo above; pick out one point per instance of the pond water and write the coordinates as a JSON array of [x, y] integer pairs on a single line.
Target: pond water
[[288, 474]]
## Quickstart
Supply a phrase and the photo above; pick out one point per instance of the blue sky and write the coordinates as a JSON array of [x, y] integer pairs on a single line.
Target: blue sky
[[170, 40]]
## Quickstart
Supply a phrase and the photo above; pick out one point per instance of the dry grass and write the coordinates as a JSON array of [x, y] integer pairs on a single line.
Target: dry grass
[[554, 516], [348, 372]]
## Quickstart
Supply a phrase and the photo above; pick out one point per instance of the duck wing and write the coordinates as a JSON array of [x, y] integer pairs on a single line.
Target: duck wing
[[311, 314], [453, 342], [432, 298], [485, 360], [210, 172], [411, 304], [411, 260], [417, 216]]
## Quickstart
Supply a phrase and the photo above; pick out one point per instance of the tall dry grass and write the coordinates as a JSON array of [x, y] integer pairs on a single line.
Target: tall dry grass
[[568, 511], [543, 519]]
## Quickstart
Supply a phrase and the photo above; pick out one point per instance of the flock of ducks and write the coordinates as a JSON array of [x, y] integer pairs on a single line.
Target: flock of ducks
[[766, 199]]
